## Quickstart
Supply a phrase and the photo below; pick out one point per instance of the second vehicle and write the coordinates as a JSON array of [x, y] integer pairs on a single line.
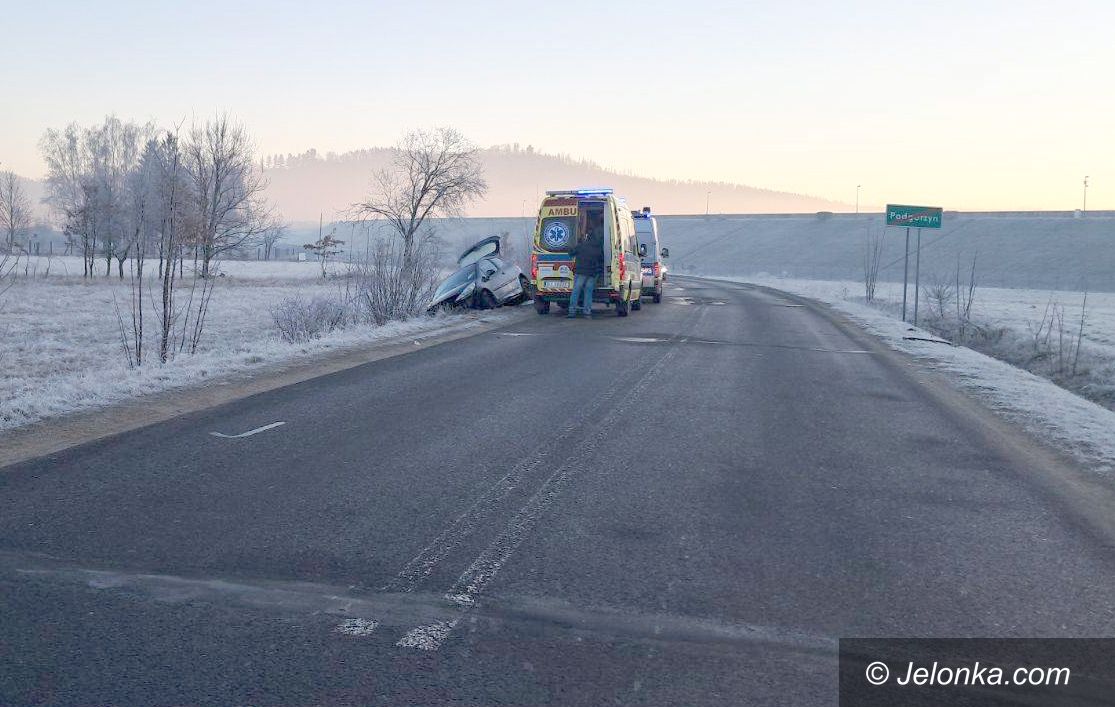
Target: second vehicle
[[483, 280]]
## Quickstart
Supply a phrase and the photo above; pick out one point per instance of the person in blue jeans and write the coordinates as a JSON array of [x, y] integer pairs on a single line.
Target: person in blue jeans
[[588, 263]]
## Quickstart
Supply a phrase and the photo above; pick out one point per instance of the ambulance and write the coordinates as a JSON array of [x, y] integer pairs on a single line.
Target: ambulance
[[563, 219]]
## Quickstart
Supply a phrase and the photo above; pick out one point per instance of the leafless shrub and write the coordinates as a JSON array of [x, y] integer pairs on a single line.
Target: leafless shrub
[[1056, 341], [299, 319], [392, 282], [939, 293], [872, 255]]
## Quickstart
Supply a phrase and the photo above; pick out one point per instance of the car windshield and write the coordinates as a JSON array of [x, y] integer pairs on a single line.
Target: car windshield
[[458, 279]]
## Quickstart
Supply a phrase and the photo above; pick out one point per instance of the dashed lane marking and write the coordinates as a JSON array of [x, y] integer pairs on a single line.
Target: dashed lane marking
[[249, 433]]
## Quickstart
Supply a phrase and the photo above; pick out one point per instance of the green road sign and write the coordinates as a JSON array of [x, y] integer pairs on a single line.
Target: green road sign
[[914, 216]]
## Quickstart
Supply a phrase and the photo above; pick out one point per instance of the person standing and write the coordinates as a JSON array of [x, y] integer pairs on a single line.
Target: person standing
[[588, 263]]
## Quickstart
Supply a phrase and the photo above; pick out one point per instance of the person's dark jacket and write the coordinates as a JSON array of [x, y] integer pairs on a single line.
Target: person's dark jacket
[[589, 256]]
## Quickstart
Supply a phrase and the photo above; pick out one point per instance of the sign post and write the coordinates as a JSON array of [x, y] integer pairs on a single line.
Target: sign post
[[917, 279], [913, 217], [905, 273]]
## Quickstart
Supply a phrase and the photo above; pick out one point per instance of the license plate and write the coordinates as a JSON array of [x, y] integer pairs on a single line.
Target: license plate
[[557, 285]]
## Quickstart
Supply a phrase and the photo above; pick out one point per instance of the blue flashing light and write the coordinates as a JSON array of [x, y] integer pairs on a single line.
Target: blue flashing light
[[593, 191]]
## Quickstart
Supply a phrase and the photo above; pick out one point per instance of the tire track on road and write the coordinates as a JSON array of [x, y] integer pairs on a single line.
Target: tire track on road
[[487, 565]]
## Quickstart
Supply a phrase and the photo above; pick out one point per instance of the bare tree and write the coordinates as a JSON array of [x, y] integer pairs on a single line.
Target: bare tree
[[324, 248], [8, 263], [227, 189], [67, 192], [965, 297], [1080, 334], [15, 210], [432, 173], [270, 237], [87, 174], [171, 190]]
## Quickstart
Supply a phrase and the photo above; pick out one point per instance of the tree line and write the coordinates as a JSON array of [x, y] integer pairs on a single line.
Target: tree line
[[110, 187]]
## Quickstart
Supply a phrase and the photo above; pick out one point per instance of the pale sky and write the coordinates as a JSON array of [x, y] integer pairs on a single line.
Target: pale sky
[[967, 105]]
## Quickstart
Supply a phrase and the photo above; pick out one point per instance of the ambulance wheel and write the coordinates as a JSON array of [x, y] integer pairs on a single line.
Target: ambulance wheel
[[636, 305], [657, 297], [621, 308], [541, 306]]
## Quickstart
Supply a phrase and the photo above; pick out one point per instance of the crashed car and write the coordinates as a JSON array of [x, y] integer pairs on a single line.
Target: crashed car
[[483, 280]]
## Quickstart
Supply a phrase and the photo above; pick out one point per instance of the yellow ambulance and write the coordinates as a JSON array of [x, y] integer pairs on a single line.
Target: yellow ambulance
[[563, 220]]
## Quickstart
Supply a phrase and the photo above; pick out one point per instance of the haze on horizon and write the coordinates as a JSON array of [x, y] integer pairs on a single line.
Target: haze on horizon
[[969, 105]]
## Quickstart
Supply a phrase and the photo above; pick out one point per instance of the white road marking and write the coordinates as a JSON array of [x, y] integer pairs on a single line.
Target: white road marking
[[517, 333], [639, 339], [357, 627], [249, 433]]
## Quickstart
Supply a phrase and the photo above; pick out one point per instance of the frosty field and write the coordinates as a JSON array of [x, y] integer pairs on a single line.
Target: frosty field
[[60, 347]]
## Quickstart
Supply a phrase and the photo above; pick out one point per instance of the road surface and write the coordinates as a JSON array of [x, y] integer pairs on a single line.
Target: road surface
[[686, 506]]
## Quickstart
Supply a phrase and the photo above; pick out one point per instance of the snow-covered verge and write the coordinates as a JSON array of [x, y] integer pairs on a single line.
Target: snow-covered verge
[[60, 344], [1078, 426]]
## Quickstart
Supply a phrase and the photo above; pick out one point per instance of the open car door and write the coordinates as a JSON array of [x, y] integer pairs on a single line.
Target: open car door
[[481, 249]]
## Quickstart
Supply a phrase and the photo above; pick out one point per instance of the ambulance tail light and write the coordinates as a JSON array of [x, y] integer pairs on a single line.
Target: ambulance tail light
[[622, 268], [657, 269]]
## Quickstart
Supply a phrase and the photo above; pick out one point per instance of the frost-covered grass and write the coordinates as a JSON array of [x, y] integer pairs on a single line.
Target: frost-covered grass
[[60, 347], [1081, 427], [66, 267], [1012, 325]]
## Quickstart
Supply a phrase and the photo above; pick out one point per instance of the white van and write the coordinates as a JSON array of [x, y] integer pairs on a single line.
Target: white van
[[654, 273]]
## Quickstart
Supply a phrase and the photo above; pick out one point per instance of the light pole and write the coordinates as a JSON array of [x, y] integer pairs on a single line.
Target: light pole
[[707, 195], [858, 186], [1085, 209]]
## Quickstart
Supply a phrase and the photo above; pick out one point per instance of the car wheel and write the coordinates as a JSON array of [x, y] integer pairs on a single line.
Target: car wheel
[[541, 306], [621, 308], [488, 300], [527, 294]]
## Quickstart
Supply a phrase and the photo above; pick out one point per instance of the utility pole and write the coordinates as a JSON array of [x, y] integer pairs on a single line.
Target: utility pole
[[707, 195], [1085, 209], [858, 186]]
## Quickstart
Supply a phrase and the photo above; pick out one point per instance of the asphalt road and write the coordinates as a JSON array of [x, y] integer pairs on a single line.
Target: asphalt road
[[686, 506]]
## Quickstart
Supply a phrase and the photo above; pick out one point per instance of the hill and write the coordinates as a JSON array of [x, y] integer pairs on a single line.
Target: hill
[[304, 186]]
